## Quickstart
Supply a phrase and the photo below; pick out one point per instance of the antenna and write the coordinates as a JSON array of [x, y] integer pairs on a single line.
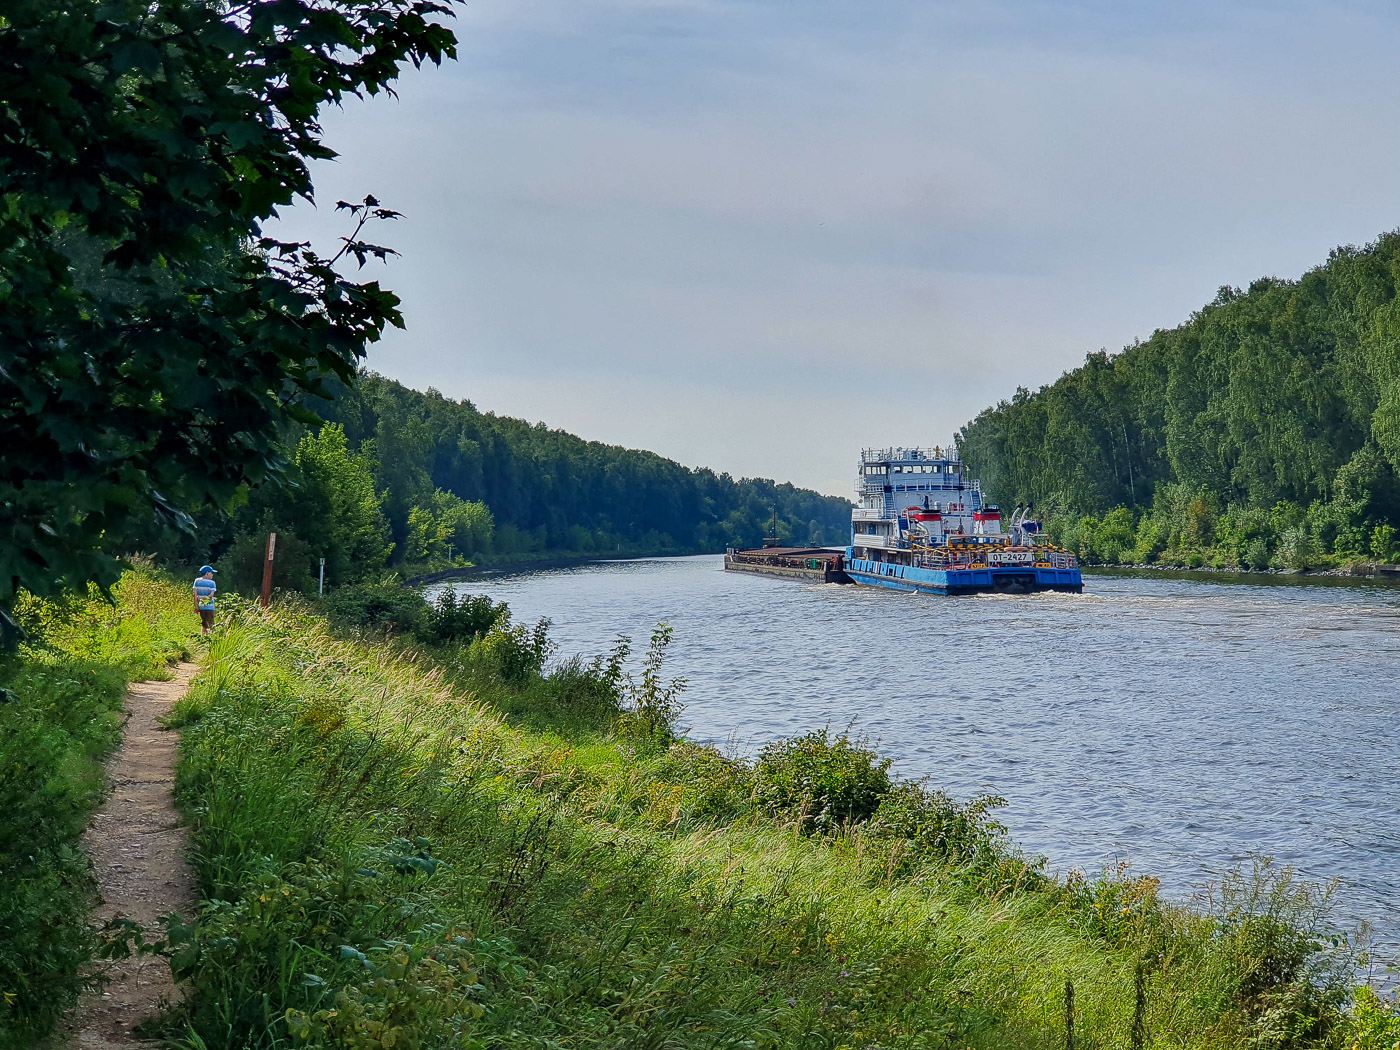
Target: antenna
[[772, 541]]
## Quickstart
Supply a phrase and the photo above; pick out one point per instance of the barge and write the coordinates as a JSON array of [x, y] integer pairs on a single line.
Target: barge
[[921, 525], [816, 564]]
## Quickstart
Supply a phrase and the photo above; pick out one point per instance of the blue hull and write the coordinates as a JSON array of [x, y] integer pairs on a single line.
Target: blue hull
[[1009, 580]]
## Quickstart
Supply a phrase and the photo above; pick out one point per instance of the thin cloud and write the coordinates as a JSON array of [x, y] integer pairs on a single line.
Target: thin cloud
[[863, 222]]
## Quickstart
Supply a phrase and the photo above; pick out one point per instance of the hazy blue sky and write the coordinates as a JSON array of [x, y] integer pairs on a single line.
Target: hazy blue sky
[[758, 236]]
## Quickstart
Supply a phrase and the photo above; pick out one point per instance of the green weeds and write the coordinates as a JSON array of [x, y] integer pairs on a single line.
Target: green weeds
[[62, 713], [374, 821], [823, 781]]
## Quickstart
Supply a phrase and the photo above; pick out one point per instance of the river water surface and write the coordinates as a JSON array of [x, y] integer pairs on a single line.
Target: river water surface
[[1181, 724]]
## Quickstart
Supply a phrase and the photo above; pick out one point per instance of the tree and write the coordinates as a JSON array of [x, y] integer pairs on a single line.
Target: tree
[[1284, 395], [152, 338], [336, 509]]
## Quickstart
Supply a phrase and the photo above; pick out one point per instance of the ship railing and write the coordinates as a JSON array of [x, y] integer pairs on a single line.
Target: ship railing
[[947, 453]]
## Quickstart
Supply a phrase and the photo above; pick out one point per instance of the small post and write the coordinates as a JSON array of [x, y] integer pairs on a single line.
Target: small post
[[321, 583], [267, 570], [1069, 1014], [1139, 1034]]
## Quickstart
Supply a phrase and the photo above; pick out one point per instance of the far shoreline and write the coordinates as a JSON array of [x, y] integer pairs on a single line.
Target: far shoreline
[[1357, 573]]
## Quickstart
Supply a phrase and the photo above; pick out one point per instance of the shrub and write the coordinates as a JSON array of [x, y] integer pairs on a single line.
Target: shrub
[[460, 618], [308, 952], [934, 827], [590, 692], [1115, 906], [1295, 548], [242, 565], [1113, 541], [1286, 970], [1384, 543], [715, 786], [652, 707], [1374, 1023], [1351, 542], [383, 606], [825, 780], [511, 653], [1256, 555]]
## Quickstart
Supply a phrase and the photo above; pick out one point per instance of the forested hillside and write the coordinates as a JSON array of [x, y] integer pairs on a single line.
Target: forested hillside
[[1265, 431], [410, 481], [550, 490]]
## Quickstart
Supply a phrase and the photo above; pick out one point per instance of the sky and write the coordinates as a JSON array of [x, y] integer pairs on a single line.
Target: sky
[[760, 236]]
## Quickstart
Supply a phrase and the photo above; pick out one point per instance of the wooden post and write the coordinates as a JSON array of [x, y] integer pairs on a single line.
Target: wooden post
[[267, 569], [1069, 1014], [1139, 1033]]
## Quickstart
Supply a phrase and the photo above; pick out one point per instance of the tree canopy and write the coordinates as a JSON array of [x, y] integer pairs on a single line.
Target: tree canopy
[[550, 490], [1264, 428], [154, 337]]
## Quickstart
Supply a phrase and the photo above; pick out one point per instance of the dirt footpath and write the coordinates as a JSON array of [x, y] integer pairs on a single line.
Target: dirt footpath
[[137, 845]]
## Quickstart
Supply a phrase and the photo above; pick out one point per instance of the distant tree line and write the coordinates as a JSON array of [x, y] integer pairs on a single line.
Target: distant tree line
[[1263, 432], [400, 480]]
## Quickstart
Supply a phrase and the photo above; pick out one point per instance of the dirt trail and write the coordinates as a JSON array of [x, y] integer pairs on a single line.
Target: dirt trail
[[137, 845]]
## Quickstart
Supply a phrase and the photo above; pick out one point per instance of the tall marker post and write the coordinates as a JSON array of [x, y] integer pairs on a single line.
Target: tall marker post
[[321, 583], [267, 570]]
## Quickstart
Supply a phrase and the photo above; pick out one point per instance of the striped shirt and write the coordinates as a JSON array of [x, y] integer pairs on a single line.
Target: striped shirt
[[204, 592]]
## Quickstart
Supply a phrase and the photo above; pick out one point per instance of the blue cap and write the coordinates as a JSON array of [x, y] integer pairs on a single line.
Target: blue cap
[[207, 568]]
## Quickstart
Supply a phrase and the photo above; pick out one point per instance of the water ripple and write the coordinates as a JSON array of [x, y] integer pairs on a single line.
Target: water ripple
[[1180, 723]]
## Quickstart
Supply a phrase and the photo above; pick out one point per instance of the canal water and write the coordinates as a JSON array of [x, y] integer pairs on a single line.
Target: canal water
[[1181, 724]]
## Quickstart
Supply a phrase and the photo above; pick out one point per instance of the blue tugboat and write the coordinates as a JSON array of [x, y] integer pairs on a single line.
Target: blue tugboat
[[921, 526]]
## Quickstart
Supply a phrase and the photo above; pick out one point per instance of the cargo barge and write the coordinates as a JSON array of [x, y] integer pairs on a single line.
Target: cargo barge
[[921, 525], [816, 564]]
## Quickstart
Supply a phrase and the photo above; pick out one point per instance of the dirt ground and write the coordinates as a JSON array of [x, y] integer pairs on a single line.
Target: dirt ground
[[137, 845]]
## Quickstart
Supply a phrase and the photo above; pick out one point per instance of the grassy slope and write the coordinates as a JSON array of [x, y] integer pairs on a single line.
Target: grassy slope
[[61, 717], [388, 861]]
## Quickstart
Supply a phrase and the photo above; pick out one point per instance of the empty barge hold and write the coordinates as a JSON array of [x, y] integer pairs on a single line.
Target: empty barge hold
[[817, 564]]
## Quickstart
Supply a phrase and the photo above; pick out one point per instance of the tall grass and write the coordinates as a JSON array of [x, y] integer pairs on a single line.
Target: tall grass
[[61, 714], [400, 848]]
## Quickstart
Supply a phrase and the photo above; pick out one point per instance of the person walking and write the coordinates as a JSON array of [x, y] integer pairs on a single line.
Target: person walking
[[204, 588]]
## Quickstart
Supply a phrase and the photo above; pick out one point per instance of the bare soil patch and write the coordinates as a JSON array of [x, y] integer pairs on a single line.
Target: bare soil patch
[[137, 845]]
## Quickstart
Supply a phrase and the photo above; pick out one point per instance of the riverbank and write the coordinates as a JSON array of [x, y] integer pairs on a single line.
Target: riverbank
[[384, 819], [462, 845], [531, 564], [1375, 571]]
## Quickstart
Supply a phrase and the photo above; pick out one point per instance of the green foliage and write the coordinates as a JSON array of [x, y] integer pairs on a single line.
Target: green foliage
[[652, 706], [155, 338], [241, 567], [344, 972], [334, 501], [454, 617], [825, 781], [385, 606], [1385, 543], [447, 528], [932, 828], [714, 784], [512, 652], [442, 463], [1374, 1023], [61, 714], [1283, 395], [1276, 928], [608, 894], [1115, 906]]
